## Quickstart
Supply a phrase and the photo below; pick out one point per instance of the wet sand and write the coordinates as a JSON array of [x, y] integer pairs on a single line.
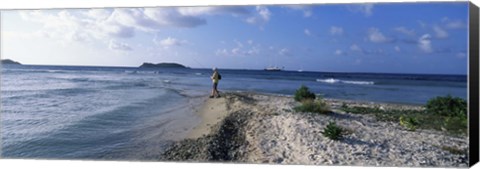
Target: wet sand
[[212, 112]]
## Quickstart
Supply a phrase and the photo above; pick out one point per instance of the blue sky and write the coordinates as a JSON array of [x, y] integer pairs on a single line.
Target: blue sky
[[379, 37]]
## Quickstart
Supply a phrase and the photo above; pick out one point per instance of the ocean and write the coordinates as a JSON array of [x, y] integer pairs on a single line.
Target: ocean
[[116, 113]]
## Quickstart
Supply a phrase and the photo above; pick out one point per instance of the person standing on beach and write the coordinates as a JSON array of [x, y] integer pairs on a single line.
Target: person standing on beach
[[215, 78]]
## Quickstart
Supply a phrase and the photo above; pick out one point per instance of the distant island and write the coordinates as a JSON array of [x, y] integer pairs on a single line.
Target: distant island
[[162, 65], [11, 62]]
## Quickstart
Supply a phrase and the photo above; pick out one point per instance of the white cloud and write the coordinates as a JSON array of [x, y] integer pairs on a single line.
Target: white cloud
[[422, 24], [239, 44], [307, 13], [334, 30], [307, 32], [113, 45], [239, 52], [366, 9], [307, 10], [408, 32], [439, 32], [222, 52], [356, 48], [155, 18], [456, 25], [26, 35], [264, 13], [262, 17], [284, 52], [253, 51], [197, 11], [397, 48], [236, 51], [168, 42], [240, 49], [338, 52], [105, 24], [453, 24], [425, 43], [374, 35], [100, 14], [461, 55]]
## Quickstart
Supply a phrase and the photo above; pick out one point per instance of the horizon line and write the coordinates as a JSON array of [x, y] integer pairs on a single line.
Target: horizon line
[[285, 70]]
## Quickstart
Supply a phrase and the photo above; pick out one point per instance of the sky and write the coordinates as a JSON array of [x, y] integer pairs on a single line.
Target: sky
[[375, 37]]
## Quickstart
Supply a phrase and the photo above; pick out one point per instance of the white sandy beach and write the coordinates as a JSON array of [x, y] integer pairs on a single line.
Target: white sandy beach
[[271, 132], [212, 112]]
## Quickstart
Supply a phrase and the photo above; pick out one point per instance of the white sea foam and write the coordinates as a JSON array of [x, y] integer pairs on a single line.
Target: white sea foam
[[332, 80], [359, 82]]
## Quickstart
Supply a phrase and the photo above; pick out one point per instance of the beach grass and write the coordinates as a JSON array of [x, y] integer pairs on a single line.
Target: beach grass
[[333, 131], [443, 113], [309, 102], [416, 119], [313, 106]]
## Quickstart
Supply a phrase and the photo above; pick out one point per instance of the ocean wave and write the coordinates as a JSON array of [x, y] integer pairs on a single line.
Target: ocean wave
[[332, 81]]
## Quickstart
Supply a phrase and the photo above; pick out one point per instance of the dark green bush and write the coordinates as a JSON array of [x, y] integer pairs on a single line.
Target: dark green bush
[[447, 106], [332, 131], [314, 106], [457, 124], [303, 93], [410, 123]]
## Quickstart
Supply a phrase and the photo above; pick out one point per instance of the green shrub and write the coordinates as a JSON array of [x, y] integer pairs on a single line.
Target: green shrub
[[447, 106], [436, 115], [410, 123], [314, 106], [332, 131], [303, 93], [457, 124]]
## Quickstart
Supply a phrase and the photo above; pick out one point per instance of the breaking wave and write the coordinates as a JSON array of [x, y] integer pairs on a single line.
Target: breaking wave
[[332, 80]]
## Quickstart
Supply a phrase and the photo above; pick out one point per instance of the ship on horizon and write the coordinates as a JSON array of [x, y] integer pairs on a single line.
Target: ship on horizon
[[274, 68]]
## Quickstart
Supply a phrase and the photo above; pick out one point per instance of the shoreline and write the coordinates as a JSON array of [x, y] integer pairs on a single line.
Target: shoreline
[[211, 112], [249, 127]]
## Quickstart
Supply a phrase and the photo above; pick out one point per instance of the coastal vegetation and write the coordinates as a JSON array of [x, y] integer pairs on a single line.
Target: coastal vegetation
[[447, 106], [409, 122], [441, 113], [333, 131], [314, 106], [303, 93], [249, 133], [309, 102]]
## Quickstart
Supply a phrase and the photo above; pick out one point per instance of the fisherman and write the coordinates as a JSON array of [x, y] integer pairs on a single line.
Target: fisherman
[[215, 78]]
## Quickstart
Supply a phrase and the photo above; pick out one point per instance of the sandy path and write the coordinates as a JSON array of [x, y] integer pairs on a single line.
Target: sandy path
[[212, 112]]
